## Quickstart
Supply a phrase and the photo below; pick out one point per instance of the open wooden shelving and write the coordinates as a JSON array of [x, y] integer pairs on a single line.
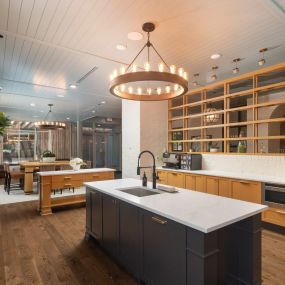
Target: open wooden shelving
[[246, 107]]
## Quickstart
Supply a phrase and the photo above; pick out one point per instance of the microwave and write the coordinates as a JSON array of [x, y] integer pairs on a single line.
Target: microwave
[[274, 195]]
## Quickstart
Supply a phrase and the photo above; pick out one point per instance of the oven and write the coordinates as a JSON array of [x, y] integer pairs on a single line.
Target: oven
[[274, 195]]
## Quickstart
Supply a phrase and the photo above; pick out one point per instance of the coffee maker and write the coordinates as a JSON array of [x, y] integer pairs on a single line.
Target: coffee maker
[[171, 160]]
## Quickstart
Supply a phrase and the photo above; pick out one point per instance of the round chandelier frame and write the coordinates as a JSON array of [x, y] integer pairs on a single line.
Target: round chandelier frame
[[179, 80], [49, 125]]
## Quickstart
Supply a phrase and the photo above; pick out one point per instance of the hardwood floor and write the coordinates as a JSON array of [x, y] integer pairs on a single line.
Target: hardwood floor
[[52, 250]]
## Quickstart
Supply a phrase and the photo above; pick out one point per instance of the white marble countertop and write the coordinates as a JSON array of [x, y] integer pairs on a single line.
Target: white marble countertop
[[234, 175], [80, 171], [200, 211]]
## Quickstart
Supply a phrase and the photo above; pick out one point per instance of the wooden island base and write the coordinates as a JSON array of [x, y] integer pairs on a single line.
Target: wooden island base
[[51, 180]]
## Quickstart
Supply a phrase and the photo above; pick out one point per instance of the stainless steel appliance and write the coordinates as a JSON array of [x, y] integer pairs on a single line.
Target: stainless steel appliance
[[171, 160], [191, 161], [274, 195]]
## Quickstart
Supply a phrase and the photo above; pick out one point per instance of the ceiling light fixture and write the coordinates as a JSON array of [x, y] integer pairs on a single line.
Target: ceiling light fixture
[[72, 86], [46, 124], [121, 47], [195, 82], [60, 95], [216, 56], [214, 75], [211, 116], [262, 61], [32, 104], [151, 84], [103, 102], [93, 111], [135, 36], [235, 70]]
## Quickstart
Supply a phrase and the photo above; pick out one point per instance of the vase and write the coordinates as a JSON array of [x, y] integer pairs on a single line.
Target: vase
[[75, 167], [48, 159]]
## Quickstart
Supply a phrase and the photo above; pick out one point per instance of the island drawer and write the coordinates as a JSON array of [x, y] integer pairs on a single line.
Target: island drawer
[[67, 184], [98, 176], [66, 178], [274, 216]]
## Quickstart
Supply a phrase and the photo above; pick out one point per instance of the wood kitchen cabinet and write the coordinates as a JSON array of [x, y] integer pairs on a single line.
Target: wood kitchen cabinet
[[212, 185], [246, 190], [162, 177], [274, 216], [164, 251], [225, 188], [130, 238], [194, 182], [110, 233], [175, 179]]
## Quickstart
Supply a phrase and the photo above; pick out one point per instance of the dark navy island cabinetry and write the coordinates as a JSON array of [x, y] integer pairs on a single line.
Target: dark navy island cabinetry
[[159, 251]]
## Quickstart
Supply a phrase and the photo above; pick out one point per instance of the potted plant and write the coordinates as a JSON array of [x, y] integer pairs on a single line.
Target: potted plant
[[214, 147], [4, 123], [48, 156], [76, 163]]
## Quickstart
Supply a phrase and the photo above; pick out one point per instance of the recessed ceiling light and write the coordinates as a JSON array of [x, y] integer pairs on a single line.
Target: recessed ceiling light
[[93, 111], [67, 118], [99, 125], [32, 104], [216, 56], [103, 102], [72, 86], [60, 95], [121, 47], [135, 36]]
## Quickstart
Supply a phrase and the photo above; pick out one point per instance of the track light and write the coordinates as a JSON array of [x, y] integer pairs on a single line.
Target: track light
[[235, 70], [262, 61]]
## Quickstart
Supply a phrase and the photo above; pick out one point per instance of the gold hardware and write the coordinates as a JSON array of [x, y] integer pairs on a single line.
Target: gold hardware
[[67, 184], [244, 182], [280, 212], [162, 222], [66, 177]]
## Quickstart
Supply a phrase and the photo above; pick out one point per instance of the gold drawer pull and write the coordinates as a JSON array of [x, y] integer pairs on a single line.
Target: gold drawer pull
[[66, 177], [68, 184], [157, 220], [281, 212], [95, 175], [244, 182], [174, 174]]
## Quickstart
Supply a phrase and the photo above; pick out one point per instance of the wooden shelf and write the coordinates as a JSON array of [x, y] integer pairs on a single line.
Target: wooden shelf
[[247, 115]]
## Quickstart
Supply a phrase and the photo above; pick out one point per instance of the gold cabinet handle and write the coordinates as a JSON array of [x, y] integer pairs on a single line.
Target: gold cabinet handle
[[95, 175], [157, 220], [68, 184], [174, 174], [244, 182], [280, 212], [67, 177]]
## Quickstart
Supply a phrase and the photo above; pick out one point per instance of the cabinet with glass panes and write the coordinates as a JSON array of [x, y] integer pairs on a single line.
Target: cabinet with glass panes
[[245, 114]]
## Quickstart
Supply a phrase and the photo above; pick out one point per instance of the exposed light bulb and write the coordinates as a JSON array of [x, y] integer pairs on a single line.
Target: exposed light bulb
[[123, 70], [235, 70], [147, 66], [158, 90], [148, 91], [261, 62], [130, 89], [172, 69], [167, 89], [134, 68], [180, 71], [175, 87], [161, 67], [139, 91], [122, 87], [185, 75]]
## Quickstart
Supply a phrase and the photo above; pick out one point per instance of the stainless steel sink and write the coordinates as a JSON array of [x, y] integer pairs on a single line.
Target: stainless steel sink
[[139, 191]]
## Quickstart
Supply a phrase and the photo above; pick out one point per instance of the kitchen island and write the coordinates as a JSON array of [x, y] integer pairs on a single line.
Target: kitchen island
[[176, 238]]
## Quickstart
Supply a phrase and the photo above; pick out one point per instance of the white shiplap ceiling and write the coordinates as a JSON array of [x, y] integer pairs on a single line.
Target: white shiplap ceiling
[[50, 44]]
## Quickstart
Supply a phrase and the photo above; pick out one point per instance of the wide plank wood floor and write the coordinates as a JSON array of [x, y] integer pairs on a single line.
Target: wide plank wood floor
[[52, 250]]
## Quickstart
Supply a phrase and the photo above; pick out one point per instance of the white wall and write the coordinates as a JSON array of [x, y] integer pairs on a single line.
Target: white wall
[[249, 164], [144, 127], [130, 137]]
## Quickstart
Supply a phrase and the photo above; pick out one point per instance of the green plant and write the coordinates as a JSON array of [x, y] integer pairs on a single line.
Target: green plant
[[48, 153], [214, 145], [4, 123]]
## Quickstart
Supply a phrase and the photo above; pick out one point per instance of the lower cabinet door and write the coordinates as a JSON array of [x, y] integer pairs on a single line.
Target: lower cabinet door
[[130, 238], [110, 237], [164, 251], [212, 185], [96, 214]]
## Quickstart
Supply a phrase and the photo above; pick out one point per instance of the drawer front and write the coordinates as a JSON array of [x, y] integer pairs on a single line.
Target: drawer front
[[96, 176], [274, 216], [67, 184], [246, 191], [162, 177], [66, 178], [175, 179], [212, 185]]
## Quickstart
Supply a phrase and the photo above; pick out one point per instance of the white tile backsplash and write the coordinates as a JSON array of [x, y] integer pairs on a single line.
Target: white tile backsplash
[[245, 164]]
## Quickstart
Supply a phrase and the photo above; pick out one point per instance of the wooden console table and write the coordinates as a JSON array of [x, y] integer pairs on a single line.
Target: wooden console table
[[50, 180], [29, 167]]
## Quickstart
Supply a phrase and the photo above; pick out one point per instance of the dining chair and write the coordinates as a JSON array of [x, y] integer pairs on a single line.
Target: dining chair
[[14, 173]]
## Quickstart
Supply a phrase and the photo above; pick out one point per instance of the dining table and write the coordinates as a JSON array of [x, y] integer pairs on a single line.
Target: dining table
[[29, 168]]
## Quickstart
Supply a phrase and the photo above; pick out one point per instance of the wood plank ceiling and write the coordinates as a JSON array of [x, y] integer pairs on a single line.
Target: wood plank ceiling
[[50, 44]]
